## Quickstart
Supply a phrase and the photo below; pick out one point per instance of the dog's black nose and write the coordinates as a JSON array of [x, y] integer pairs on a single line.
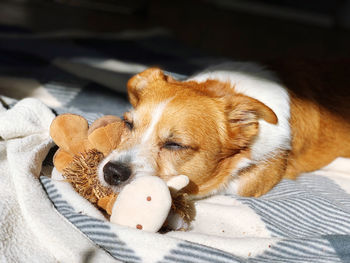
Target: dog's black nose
[[116, 173]]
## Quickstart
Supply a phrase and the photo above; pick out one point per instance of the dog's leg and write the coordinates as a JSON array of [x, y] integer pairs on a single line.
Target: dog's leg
[[260, 178], [318, 154], [308, 162]]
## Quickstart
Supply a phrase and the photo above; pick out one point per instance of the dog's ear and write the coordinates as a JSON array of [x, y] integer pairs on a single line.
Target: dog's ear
[[243, 115], [138, 83], [240, 108]]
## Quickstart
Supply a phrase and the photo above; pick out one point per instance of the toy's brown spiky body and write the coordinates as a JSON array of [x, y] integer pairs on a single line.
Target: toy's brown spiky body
[[182, 206], [81, 173]]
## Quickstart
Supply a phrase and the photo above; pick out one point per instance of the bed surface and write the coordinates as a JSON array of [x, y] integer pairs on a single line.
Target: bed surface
[[307, 220]]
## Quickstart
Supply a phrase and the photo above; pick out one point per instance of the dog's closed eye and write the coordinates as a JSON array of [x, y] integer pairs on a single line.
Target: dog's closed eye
[[173, 146], [128, 123]]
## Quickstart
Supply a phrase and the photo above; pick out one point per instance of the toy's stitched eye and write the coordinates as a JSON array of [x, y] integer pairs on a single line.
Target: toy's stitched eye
[[173, 146]]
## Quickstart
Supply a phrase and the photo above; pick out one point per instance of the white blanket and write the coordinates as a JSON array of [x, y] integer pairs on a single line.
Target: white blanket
[[307, 220], [31, 229]]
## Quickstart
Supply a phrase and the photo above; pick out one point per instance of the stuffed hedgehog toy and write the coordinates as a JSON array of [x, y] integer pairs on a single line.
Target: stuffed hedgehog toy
[[145, 203]]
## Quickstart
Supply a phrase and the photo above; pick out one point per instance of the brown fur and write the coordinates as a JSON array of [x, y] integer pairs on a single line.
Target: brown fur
[[259, 178], [320, 113]]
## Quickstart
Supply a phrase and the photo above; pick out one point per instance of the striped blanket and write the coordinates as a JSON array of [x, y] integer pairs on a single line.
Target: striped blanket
[[306, 220]]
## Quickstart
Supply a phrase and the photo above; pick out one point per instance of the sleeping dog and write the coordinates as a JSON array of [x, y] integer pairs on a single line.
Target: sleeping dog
[[235, 128]]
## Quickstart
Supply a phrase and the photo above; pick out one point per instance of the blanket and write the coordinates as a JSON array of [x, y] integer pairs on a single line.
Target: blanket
[[44, 220], [31, 228]]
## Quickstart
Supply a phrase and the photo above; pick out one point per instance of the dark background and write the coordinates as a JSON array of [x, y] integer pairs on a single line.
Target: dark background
[[239, 29]]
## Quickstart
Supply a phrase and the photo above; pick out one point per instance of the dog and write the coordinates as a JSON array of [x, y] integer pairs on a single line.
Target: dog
[[234, 128]]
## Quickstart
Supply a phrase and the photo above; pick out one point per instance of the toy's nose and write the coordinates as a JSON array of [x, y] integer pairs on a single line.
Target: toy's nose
[[116, 173]]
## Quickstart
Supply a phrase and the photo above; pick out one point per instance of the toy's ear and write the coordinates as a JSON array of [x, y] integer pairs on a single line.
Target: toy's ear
[[69, 132], [103, 121], [62, 159], [105, 133], [139, 82], [178, 182]]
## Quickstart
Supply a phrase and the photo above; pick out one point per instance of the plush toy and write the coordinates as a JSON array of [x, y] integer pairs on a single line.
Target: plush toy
[[81, 149], [145, 203]]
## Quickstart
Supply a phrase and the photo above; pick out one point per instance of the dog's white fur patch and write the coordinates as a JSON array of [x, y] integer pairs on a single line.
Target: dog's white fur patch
[[252, 80], [156, 115]]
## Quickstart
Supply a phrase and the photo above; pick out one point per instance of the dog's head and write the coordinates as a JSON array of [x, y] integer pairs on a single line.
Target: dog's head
[[202, 130]]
